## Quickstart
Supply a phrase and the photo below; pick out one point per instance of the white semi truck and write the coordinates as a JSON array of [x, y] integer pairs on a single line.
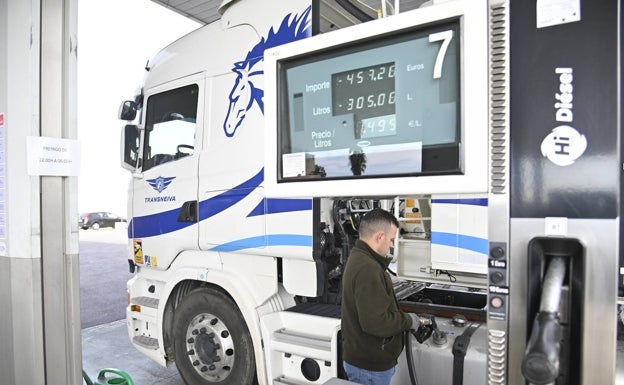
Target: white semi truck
[[491, 130]]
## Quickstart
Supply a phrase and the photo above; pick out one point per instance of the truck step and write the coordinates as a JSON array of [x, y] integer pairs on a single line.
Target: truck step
[[146, 342], [287, 381], [146, 301], [295, 338], [319, 309], [293, 342], [291, 337]]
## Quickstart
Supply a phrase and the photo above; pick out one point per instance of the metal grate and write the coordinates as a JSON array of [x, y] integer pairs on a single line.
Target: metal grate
[[146, 342], [146, 301], [497, 342], [499, 99]]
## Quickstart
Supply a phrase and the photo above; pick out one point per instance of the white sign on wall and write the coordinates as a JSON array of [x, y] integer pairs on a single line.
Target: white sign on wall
[[53, 156], [556, 12]]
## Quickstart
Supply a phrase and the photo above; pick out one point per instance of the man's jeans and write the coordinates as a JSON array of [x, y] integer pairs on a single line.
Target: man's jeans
[[368, 377]]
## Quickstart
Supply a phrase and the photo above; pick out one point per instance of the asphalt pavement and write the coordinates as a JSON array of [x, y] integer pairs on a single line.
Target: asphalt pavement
[[103, 275], [105, 342]]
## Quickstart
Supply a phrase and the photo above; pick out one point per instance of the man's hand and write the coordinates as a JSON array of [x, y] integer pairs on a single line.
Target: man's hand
[[415, 320], [418, 321]]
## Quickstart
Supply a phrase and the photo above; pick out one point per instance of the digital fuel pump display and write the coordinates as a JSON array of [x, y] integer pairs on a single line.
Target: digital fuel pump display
[[376, 108], [368, 93]]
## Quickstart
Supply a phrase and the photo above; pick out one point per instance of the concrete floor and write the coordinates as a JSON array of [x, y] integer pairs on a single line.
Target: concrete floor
[[108, 346]]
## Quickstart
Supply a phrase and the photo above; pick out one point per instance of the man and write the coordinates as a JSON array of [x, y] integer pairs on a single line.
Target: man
[[372, 323]]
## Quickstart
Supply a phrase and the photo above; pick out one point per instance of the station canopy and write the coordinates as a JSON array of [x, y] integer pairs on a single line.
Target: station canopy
[[335, 14]]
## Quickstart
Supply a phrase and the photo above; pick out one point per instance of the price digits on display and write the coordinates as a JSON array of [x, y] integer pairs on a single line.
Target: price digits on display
[[364, 88], [369, 94], [377, 126]]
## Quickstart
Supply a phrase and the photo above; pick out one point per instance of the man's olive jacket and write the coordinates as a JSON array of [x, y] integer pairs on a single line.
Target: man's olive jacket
[[372, 324]]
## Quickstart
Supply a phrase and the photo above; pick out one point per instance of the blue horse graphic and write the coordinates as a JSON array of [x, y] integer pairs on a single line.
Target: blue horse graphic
[[245, 92]]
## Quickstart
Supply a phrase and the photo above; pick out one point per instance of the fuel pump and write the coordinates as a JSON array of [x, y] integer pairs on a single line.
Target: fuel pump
[[541, 361], [555, 295], [552, 313]]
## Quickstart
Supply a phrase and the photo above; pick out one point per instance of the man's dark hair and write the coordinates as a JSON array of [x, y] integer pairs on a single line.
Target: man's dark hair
[[376, 220]]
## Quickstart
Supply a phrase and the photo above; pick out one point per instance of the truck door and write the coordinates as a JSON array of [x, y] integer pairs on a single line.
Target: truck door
[[164, 199]]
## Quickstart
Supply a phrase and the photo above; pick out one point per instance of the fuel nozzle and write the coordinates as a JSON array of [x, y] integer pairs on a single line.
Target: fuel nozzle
[[426, 327]]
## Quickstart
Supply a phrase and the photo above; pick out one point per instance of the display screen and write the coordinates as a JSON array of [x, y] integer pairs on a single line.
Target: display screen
[[377, 108], [368, 92]]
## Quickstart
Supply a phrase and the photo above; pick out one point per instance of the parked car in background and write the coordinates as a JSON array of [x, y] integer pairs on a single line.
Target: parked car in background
[[98, 219]]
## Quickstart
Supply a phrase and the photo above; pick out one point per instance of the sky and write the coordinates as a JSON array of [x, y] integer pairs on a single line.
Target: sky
[[116, 38]]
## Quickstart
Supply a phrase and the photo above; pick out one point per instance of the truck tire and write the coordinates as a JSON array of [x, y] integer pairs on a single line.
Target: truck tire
[[212, 344], [95, 226]]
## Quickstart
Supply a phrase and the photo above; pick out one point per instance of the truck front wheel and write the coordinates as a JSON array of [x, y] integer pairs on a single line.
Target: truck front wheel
[[212, 344]]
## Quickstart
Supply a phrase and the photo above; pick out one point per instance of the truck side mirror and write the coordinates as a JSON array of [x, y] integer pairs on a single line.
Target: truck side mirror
[[130, 141], [127, 110]]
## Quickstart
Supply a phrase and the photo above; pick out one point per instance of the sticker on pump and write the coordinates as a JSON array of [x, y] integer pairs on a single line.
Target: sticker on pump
[[564, 145]]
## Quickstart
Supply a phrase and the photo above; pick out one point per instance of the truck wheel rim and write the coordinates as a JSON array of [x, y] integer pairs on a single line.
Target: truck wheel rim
[[210, 347]]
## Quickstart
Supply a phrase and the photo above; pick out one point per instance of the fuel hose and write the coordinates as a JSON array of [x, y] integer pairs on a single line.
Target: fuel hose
[[410, 358]]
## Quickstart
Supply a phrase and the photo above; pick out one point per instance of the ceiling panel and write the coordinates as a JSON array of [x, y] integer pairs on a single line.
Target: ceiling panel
[[202, 11], [333, 15]]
